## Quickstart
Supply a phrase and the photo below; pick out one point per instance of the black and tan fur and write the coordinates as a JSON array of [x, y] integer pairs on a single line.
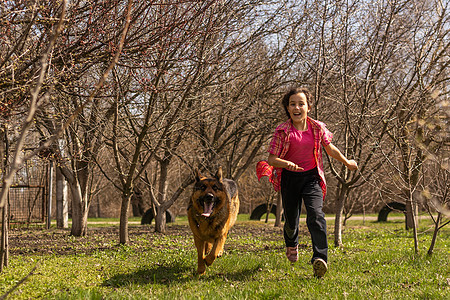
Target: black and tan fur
[[212, 211]]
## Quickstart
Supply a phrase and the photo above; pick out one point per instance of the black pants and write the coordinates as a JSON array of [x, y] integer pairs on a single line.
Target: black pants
[[296, 186]]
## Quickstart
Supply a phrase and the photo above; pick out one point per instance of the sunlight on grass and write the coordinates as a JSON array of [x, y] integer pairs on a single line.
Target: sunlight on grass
[[376, 261]]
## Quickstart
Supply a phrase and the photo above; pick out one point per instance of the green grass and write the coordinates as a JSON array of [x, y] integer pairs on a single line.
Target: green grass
[[377, 261]]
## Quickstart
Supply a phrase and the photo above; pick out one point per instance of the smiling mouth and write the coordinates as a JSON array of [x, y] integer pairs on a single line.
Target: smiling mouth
[[207, 208]]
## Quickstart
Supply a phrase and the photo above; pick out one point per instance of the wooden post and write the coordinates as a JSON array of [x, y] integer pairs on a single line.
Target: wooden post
[[4, 244], [4, 153], [50, 194], [62, 209]]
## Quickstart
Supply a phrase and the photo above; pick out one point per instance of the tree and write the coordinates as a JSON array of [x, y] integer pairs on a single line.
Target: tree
[[149, 104], [345, 63], [36, 99], [189, 120], [82, 143], [435, 197], [432, 139], [424, 85], [359, 52]]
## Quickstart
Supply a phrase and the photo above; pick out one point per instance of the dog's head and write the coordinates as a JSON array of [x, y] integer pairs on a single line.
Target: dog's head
[[209, 193]]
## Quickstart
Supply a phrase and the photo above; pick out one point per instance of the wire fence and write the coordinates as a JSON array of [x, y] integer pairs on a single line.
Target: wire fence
[[29, 192]]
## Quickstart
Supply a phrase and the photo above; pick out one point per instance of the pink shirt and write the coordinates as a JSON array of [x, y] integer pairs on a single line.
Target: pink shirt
[[280, 145], [301, 150]]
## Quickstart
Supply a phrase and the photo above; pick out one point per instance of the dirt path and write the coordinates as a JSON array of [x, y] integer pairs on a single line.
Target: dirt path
[[302, 219]]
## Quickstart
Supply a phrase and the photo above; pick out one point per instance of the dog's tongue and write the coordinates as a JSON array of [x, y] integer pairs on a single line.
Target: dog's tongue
[[207, 209]]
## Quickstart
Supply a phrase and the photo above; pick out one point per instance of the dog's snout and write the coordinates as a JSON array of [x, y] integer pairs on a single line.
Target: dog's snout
[[209, 196]]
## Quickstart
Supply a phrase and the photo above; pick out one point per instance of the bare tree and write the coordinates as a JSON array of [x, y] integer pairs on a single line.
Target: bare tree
[[424, 85], [357, 88], [238, 114], [149, 106], [189, 112], [435, 197], [433, 140], [82, 141], [36, 99], [345, 62], [363, 75], [4, 153]]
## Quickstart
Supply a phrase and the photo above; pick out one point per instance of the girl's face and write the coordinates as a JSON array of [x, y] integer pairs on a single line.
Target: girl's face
[[298, 107]]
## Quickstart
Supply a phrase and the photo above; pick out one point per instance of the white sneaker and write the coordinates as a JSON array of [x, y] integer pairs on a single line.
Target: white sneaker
[[320, 267]]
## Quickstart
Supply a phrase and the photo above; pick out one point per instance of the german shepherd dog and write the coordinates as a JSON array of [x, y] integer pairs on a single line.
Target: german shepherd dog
[[212, 211]]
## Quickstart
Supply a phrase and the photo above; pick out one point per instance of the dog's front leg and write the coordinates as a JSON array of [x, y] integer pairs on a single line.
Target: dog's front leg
[[216, 250], [200, 245], [208, 247]]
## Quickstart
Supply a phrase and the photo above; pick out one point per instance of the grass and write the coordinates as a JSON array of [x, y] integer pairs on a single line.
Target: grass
[[377, 261]]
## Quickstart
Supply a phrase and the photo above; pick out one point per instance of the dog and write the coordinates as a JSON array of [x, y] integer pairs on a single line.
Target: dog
[[212, 211]]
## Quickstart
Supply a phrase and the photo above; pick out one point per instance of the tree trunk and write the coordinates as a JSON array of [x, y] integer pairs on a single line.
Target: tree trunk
[[123, 229], [411, 218], [412, 213], [435, 233], [50, 193], [80, 209], [4, 249], [137, 203], [412, 210], [269, 205], [160, 220], [339, 209], [62, 209], [279, 210]]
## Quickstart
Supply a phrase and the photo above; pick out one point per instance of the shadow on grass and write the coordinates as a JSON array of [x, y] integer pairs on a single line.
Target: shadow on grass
[[238, 275], [156, 274], [173, 272]]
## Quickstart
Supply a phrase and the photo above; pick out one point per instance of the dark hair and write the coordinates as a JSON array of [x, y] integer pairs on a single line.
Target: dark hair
[[294, 91]]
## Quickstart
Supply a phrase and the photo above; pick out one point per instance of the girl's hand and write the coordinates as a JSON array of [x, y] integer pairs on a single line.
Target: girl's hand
[[352, 165], [293, 167], [277, 162]]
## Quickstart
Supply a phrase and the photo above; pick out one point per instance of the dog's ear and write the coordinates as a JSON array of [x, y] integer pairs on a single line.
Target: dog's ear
[[219, 174], [197, 174]]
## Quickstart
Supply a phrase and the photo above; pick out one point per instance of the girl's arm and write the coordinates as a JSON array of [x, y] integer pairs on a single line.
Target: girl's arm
[[277, 162], [336, 154]]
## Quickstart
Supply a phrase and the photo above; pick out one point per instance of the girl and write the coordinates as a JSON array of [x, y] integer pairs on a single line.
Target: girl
[[295, 165]]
